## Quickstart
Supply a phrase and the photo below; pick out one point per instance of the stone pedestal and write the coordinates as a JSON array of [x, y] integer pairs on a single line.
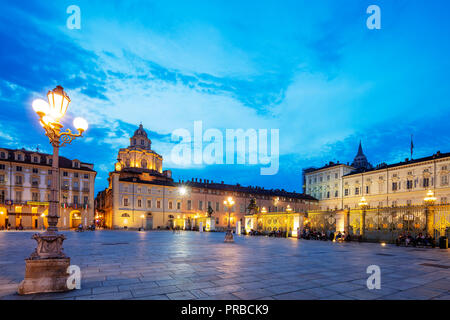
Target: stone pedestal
[[45, 275]]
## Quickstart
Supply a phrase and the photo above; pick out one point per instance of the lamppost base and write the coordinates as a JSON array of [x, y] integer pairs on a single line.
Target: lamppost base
[[229, 236], [45, 275]]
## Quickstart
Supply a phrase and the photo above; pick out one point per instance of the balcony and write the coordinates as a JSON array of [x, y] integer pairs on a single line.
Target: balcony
[[35, 184], [19, 183]]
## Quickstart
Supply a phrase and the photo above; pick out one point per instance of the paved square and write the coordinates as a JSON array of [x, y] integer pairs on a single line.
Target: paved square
[[193, 265]]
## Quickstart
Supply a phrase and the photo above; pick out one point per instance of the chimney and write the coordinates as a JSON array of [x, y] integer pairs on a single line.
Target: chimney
[[222, 182]]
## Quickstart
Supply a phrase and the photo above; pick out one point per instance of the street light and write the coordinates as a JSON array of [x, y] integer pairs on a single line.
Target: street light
[[430, 198], [46, 267], [229, 235]]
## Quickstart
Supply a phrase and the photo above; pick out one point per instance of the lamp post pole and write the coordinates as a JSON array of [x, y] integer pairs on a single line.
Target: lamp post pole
[[46, 268]]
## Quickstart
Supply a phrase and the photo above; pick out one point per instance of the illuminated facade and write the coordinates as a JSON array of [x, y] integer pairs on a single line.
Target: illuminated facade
[[25, 181], [339, 186], [141, 195]]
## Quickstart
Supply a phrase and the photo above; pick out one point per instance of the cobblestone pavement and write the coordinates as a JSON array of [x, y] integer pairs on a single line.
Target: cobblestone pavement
[[192, 265]]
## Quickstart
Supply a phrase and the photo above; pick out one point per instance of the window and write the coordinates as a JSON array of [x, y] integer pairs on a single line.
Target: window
[[35, 196], [34, 182], [170, 205], [444, 200], [65, 174], [217, 207], [86, 200], [149, 203], [75, 175], [409, 184], [2, 196], [2, 167], [426, 182], [336, 194], [380, 204], [49, 171], [2, 155], [209, 204], [158, 204], [86, 176], [18, 168], [394, 186], [139, 204], [444, 180], [328, 194], [18, 196], [408, 202], [18, 180], [125, 202], [200, 205], [35, 170], [241, 208], [367, 189], [346, 192], [217, 220], [35, 159], [189, 205], [19, 157], [2, 178], [178, 205], [75, 199], [336, 175], [356, 190]]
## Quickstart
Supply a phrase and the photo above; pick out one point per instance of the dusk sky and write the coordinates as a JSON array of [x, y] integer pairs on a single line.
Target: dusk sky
[[311, 69]]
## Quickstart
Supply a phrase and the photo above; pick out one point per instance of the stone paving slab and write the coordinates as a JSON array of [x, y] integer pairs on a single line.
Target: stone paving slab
[[160, 265]]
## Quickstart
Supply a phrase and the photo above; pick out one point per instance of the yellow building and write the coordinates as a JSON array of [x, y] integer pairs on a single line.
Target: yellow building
[[141, 195], [25, 181]]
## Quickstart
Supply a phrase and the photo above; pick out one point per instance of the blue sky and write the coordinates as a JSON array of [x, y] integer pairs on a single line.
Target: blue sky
[[309, 68]]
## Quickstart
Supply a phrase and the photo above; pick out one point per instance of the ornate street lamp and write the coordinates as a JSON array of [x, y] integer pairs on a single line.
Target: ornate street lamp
[[47, 266], [229, 235]]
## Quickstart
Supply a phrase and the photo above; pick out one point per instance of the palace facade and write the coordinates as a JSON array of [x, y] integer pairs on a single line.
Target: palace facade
[[25, 181], [339, 186], [141, 195]]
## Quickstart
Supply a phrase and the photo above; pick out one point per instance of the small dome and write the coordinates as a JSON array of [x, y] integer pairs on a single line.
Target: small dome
[[140, 131]]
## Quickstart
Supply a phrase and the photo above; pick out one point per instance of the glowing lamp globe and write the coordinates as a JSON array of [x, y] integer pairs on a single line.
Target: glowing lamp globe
[[41, 106], [80, 124], [58, 101]]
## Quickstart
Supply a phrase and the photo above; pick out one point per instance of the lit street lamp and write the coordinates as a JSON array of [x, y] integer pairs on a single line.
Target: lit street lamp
[[47, 266], [229, 235]]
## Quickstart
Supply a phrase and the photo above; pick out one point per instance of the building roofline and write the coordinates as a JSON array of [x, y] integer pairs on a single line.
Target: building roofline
[[435, 156]]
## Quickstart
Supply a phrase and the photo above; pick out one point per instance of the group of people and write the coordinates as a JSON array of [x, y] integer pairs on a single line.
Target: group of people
[[81, 228], [313, 234], [420, 239], [8, 227]]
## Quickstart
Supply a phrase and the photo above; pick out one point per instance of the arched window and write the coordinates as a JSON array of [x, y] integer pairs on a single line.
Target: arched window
[[144, 163], [127, 162]]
